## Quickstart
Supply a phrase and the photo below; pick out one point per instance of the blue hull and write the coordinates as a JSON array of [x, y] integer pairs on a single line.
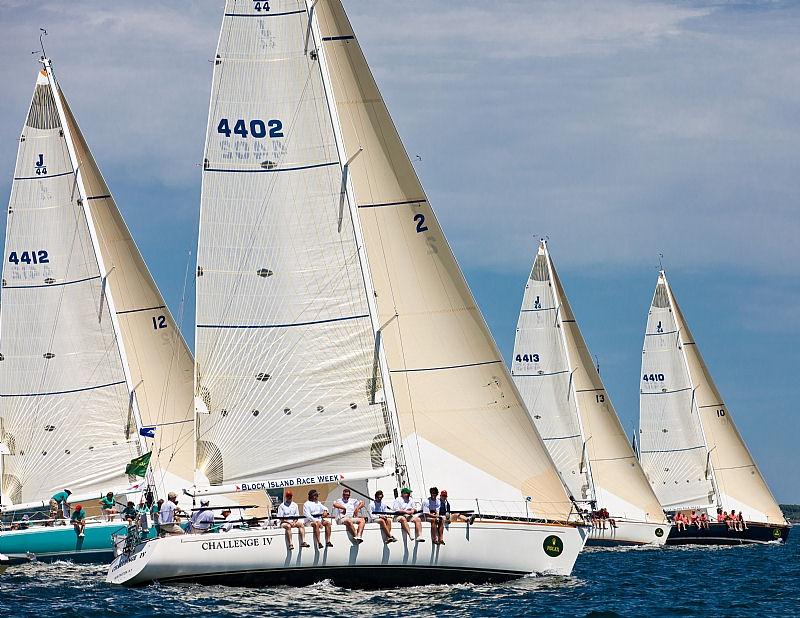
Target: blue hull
[[61, 543]]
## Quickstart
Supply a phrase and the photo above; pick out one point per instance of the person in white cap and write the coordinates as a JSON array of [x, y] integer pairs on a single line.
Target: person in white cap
[[202, 519], [166, 516]]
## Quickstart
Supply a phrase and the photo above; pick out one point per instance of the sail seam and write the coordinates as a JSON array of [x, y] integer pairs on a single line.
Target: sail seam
[[76, 390], [48, 285], [669, 332], [143, 309], [680, 390], [540, 375], [381, 204], [45, 177], [537, 310], [264, 171], [265, 15], [577, 435], [444, 367], [243, 326], [677, 450]]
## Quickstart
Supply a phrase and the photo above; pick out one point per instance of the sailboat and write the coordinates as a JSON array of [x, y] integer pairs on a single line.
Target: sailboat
[[93, 370], [338, 343], [566, 398], [691, 451]]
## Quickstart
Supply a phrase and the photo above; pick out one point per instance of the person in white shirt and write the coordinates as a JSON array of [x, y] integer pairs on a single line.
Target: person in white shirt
[[203, 519], [406, 511], [317, 516], [289, 516], [430, 509], [228, 525], [349, 509], [379, 511], [166, 516]]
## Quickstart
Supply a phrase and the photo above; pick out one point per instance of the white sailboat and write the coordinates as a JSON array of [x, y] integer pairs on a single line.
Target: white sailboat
[[572, 410], [337, 340], [691, 451], [91, 358]]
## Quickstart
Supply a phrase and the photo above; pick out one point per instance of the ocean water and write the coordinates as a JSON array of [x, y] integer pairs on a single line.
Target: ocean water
[[698, 581]]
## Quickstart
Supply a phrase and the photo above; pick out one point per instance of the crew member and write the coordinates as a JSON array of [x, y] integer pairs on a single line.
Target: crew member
[[289, 516], [108, 506], [59, 508], [430, 510], [202, 519], [406, 511], [78, 520], [379, 511], [166, 516], [129, 513], [348, 515], [317, 516]]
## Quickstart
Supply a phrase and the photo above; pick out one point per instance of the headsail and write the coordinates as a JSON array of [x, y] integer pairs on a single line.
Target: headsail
[[63, 395], [739, 483], [462, 422], [285, 346]]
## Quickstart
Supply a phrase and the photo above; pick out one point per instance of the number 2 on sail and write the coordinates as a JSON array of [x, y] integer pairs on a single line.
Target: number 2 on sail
[[258, 128]]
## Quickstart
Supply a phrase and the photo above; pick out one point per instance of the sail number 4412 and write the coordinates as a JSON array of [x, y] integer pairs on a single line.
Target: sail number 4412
[[254, 128], [29, 257]]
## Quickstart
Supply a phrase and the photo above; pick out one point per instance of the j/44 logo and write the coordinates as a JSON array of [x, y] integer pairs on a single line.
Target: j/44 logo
[[41, 168]]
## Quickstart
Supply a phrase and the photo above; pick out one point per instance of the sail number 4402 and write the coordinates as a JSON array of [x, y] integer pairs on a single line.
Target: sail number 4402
[[29, 257], [254, 128]]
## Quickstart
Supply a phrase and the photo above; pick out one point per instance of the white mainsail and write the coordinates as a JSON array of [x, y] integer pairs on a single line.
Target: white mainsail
[[285, 346], [691, 449], [63, 391], [603, 458], [461, 420]]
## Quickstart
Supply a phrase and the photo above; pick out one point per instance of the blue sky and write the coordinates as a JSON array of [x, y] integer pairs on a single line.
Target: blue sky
[[619, 129]]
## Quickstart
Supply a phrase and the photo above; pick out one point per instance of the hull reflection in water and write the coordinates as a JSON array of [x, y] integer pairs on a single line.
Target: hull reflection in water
[[486, 551], [721, 534]]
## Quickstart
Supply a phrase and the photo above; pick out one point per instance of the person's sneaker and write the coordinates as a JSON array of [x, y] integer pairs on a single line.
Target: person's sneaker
[[419, 540], [328, 544], [391, 539], [291, 547], [359, 540], [320, 546], [441, 542], [81, 534], [471, 519], [304, 544]]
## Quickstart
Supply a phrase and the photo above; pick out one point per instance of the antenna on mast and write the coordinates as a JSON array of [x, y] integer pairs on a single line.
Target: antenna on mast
[[661, 262], [41, 42]]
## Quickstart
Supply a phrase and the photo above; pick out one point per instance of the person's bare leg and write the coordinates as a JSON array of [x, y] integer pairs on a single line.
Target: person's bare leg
[[418, 527], [348, 523], [315, 525], [440, 523], [361, 523], [287, 531], [327, 525], [404, 525], [301, 532], [434, 531]]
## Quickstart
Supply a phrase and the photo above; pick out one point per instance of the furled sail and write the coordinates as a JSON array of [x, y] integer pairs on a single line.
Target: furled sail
[[463, 424], [160, 364], [285, 345], [544, 376], [618, 480], [64, 400], [739, 483], [673, 453]]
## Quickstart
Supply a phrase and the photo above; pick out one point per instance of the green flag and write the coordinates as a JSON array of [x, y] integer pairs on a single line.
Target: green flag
[[138, 466]]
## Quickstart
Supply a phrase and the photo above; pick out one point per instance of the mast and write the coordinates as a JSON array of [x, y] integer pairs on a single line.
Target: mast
[[572, 369], [694, 391], [95, 246], [386, 382]]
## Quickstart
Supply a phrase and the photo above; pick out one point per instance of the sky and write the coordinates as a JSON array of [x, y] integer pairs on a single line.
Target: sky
[[619, 130]]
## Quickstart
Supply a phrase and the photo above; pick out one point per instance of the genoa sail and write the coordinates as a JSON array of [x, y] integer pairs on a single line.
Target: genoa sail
[[725, 461], [462, 422], [64, 400], [285, 346]]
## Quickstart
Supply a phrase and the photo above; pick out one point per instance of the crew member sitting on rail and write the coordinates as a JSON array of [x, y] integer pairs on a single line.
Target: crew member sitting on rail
[[733, 521], [316, 515], [430, 510], [703, 521], [348, 515], [228, 525], [693, 519], [23, 524], [742, 522], [59, 508], [108, 506], [720, 516], [78, 520], [289, 516], [129, 513], [166, 516], [379, 511], [406, 511], [679, 521], [203, 519]]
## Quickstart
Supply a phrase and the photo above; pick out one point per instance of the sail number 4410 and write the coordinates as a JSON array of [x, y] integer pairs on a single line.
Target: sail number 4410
[[254, 128], [653, 377]]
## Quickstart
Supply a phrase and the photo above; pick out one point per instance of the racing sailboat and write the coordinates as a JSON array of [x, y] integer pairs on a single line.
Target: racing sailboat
[[572, 410], [337, 340], [691, 451], [93, 370]]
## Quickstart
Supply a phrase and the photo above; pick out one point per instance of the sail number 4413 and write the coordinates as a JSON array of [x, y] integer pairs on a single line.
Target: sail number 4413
[[254, 128]]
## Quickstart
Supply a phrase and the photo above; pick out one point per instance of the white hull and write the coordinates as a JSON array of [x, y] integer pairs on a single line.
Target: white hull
[[484, 551], [628, 533]]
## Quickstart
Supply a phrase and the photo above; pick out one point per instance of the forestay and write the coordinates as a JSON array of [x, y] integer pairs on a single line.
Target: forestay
[[618, 481], [63, 394], [738, 480], [542, 371], [673, 452], [462, 421], [285, 345]]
